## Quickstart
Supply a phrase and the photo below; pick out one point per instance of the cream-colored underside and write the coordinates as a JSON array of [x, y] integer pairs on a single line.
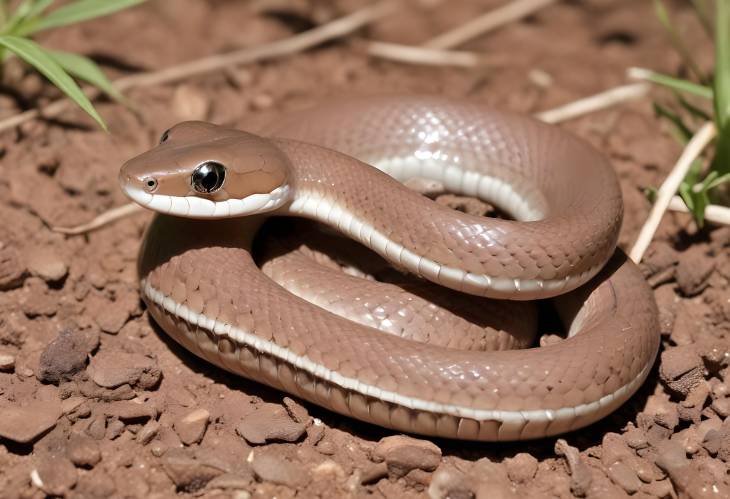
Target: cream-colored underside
[[197, 207], [564, 418], [523, 206]]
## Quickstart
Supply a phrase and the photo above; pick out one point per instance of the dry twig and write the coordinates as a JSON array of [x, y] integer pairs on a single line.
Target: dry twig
[[510, 12], [594, 103], [669, 188], [412, 54], [437, 50], [109, 216]]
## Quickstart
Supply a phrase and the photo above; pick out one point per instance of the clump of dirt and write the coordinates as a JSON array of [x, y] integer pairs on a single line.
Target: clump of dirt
[[96, 402]]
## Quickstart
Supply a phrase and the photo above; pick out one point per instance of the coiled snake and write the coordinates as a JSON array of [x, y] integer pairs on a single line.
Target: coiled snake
[[215, 186]]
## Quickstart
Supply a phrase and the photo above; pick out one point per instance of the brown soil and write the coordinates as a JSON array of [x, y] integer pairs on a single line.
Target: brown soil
[[97, 402]]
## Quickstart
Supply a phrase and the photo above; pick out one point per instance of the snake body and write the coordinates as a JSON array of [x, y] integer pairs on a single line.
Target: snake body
[[215, 186]]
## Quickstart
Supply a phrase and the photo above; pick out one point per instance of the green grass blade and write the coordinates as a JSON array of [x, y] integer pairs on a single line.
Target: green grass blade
[[672, 83], [26, 14], [78, 11], [18, 16], [36, 56], [679, 130], [723, 179], [703, 14], [38, 8], [666, 21], [721, 83], [694, 110], [85, 69], [722, 63]]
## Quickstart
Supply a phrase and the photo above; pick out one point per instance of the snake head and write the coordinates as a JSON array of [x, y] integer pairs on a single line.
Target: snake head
[[201, 170]]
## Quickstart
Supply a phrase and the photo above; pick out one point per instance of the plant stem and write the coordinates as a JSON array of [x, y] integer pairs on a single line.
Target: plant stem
[[721, 83]]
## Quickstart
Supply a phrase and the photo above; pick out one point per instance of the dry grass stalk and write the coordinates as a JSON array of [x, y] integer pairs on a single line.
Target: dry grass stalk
[[594, 103], [669, 188]]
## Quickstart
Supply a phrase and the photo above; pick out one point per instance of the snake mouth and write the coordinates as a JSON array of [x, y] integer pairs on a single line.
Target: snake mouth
[[198, 207]]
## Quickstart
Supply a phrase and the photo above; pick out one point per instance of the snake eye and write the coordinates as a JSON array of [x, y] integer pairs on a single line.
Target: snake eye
[[208, 177], [150, 184], [165, 136]]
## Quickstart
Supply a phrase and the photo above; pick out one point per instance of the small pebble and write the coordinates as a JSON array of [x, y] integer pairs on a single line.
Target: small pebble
[[187, 473], [268, 467], [374, 473], [54, 475], [191, 427], [681, 369], [12, 271], [403, 454], [448, 482], [580, 473], [624, 477], [130, 410], [83, 451], [46, 263], [270, 422], [110, 369], [148, 432], [694, 270], [114, 429], [7, 362], [71, 404], [62, 358], [96, 428], [521, 468]]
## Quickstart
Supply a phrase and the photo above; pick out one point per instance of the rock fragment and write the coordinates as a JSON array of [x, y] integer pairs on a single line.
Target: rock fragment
[[449, 482], [96, 428], [83, 451], [37, 299], [580, 473], [96, 485], [148, 432], [12, 272], [269, 467], [112, 315], [45, 263], [694, 270], [130, 410], [25, 424], [403, 454], [110, 369], [270, 422], [658, 265], [521, 468], [681, 369], [54, 475], [63, 358], [187, 473], [7, 362], [191, 427]]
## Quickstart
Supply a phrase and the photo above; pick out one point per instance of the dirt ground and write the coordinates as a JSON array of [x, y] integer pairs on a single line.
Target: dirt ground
[[95, 401]]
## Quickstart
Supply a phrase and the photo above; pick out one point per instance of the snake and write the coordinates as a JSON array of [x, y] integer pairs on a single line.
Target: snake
[[343, 164]]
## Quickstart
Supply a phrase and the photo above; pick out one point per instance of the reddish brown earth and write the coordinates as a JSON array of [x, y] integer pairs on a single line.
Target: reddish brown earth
[[97, 402]]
